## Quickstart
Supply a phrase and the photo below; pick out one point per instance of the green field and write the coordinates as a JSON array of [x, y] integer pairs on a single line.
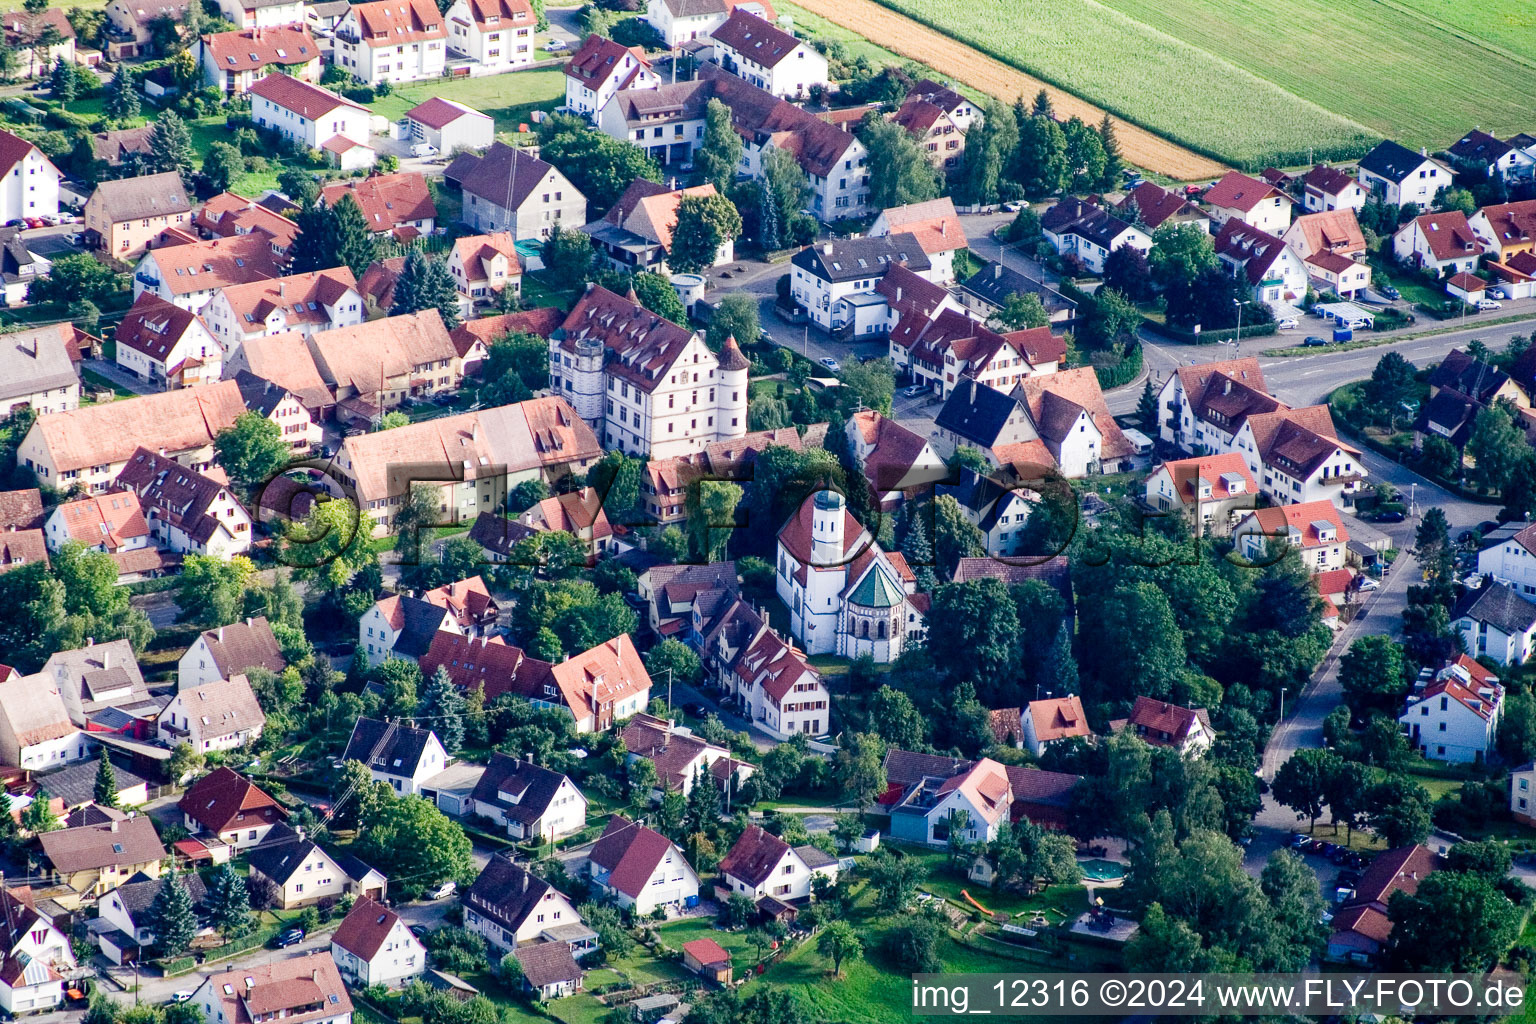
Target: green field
[[1251, 83], [509, 99]]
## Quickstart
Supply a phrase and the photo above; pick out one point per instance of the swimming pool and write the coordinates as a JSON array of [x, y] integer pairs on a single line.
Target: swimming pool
[[1100, 870]]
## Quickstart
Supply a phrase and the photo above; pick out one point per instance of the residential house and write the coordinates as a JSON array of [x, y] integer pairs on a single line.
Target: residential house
[[510, 907], [296, 869], [1328, 188], [392, 41], [398, 204], [233, 61], [373, 946], [1078, 228], [123, 149], [36, 371], [1512, 560], [1313, 527], [401, 755], [671, 591], [112, 522], [33, 952], [35, 728], [1362, 926], [1522, 781], [1053, 420], [449, 126], [997, 506], [73, 786], [1255, 203], [506, 189], [549, 970], [95, 859], [935, 131], [1496, 622], [130, 25], [22, 547], [315, 118], [1052, 720], [846, 595], [667, 121], [221, 715], [682, 21], [401, 627], [779, 692], [304, 988], [373, 366], [166, 345], [126, 216], [478, 457], [664, 484], [644, 384], [579, 513], [484, 266], [263, 13], [528, 801], [1480, 381], [1400, 176], [975, 802], [961, 110], [994, 422], [1271, 272], [601, 67], [894, 460], [22, 509], [191, 274], [641, 870], [287, 410], [321, 300], [1442, 243], [835, 280], [761, 865], [1162, 724], [125, 923], [1492, 156], [90, 445], [226, 805], [935, 225], [19, 267], [498, 35], [1507, 229], [23, 36], [284, 361], [767, 56], [29, 182], [636, 232], [228, 651], [680, 758], [98, 678], [1212, 492], [1333, 247], [988, 290], [1155, 206], [1455, 717]]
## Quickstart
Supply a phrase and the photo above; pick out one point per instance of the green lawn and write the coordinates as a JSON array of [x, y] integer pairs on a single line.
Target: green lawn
[[509, 99], [1059, 901], [675, 933]]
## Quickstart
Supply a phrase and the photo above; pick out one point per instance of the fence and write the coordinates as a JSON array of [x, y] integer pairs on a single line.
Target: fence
[[1211, 337]]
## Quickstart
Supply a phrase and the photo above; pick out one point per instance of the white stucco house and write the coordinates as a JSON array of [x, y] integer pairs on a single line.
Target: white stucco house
[[315, 118], [29, 183], [1496, 622], [1456, 716], [400, 755], [374, 947], [639, 868], [760, 865]]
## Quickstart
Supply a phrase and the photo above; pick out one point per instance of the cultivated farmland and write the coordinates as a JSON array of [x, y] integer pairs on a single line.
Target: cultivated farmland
[[1161, 82]]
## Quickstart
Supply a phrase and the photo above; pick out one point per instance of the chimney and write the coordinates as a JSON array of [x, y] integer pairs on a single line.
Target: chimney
[[898, 293], [826, 249], [114, 825], [525, 875], [281, 288], [997, 271], [221, 634], [314, 974]]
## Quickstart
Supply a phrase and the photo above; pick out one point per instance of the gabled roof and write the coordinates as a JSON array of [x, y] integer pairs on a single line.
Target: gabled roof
[[934, 224], [755, 39], [976, 412], [985, 787], [255, 48], [506, 892], [302, 298], [649, 211], [1158, 717], [223, 708], [543, 321], [707, 952], [393, 22], [754, 856], [1331, 231], [281, 853], [1328, 181], [641, 346], [1297, 441], [995, 283], [1304, 517], [1055, 400], [1392, 161], [758, 115], [1217, 471], [1470, 376], [1157, 204], [1480, 147], [393, 750], [890, 463], [298, 990], [1480, 699], [33, 709], [114, 147], [547, 963], [1448, 235], [365, 929], [1237, 191], [310, 101], [220, 797], [137, 895], [110, 520], [244, 645], [850, 259], [33, 362], [285, 360], [438, 113], [153, 195], [180, 496], [606, 674], [106, 433], [574, 512], [630, 853], [22, 547], [1499, 605], [1253, 250], [155, 327], [387, 200], [113, 844], [21, 509], [1058, 718], [231, 215], [365, 356], [1079, 217], [477, 252], [521, 789], [599, 58], [502, 176], [1511, 223]]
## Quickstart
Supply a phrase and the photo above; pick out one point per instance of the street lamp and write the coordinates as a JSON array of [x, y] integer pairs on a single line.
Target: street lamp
[[1282, 704], [1239, 303]]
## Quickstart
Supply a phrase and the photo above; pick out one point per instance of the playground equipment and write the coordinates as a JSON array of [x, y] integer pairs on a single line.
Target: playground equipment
[[973, 903]]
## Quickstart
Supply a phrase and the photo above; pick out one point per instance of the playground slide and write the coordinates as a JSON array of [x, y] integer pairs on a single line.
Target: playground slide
[[973, 903]]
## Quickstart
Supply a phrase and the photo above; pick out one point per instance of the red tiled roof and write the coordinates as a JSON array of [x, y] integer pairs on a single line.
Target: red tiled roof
[[1237, 191], [303, 99], [598, 58], [222, 796], [1278, 520], [387, 200], [254, 48], [1186, 474], [630, 853], [393, 22], [1448, 235]]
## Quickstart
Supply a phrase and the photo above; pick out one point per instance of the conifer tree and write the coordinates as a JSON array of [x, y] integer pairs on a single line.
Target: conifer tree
[[424, 284], [351, 243], [171, 915], [105, 793], [61, 82], [1114, 161], [39, 817], [443, 706], [170, 146], [229, 902], [122, 100], [1146, 408], [918, 551]]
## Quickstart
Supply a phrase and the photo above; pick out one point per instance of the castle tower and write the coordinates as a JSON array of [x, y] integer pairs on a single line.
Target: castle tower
[[731, 398], [586, 376], [827, 515]]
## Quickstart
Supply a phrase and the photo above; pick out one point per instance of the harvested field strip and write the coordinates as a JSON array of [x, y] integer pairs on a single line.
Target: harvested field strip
[[961, 62], [1178, 89]]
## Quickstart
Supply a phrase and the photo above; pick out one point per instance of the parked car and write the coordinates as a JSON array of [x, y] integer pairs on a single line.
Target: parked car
[[1313, 341], [291, 937], [1288, 323], [1135, 183], [1493, 293], [914, 390], [419, 930], [1391, 517], [696, 709], [422, 150], [554, 46], [1013, 207], [1366, 583], [181, 995], [1300, 839], [1390, 292], [445, 890], [1484, 305], [830, 363], [1190, 191]]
